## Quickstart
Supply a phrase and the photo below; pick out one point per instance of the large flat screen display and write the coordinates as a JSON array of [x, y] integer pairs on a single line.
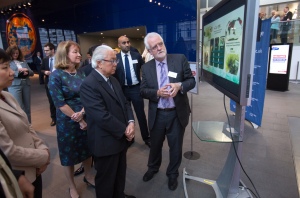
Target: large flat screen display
[[224, 46]]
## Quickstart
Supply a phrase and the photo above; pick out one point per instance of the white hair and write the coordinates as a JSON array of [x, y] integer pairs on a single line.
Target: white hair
[[99, 54], [150, 35]]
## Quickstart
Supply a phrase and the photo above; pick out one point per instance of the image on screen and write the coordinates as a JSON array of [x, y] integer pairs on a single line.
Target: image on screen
[[279, 59], [222, 45]]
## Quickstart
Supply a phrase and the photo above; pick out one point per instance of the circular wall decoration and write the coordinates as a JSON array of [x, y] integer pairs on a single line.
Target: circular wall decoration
[[21, 32]]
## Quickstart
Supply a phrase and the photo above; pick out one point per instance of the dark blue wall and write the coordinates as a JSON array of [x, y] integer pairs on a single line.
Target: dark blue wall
[[100, 15]]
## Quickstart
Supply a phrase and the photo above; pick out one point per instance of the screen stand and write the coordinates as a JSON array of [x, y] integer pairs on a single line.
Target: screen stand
[[191, 155], [228, 183]]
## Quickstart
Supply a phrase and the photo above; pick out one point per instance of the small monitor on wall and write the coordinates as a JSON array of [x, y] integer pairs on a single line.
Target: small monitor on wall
[[228, 48]]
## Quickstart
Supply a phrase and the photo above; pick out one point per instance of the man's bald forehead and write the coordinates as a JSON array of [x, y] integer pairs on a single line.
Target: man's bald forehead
[[122, 37]]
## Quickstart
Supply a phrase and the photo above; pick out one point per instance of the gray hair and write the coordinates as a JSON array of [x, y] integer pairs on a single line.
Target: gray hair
[[150, 35], [99, 54]]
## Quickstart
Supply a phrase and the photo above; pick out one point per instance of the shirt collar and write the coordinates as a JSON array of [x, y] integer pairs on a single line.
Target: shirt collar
[[102, 75], [122, 53]]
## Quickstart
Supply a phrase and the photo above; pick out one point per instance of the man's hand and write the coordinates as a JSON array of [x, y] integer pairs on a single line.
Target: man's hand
[[83, 125], [163, 92], [174, 88], [26, 187], [47, 73], [129, 132]]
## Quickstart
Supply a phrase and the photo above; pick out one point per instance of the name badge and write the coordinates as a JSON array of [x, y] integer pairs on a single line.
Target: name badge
[[134, 61], [172, 74]]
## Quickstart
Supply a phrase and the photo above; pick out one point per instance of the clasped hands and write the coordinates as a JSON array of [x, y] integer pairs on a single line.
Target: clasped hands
[[129, 132], [169, 90], [23, 70], [78, 117]]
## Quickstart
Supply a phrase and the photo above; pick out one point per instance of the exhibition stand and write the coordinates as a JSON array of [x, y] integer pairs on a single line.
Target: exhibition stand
[[228, 183]]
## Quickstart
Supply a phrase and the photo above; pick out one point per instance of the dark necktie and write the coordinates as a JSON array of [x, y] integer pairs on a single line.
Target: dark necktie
[[127, 71], [110, 85], [51, 64], [163, 81]]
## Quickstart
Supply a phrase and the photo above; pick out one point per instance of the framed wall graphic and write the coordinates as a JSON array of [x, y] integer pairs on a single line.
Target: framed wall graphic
[[21, 31]]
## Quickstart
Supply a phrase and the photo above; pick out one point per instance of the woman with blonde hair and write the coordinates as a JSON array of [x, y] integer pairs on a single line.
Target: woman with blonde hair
[[64, 85]]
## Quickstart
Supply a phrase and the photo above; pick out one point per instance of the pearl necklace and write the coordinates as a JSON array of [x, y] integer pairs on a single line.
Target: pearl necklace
[[71, 74]]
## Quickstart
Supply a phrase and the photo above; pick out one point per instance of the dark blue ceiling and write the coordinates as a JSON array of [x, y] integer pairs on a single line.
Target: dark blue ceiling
[[96, 15]]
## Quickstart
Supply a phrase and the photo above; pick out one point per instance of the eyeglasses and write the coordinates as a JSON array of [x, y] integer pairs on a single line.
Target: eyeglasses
[[156, 46], [116, 61]]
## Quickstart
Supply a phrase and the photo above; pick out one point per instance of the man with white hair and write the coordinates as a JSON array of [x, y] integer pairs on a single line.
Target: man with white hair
[[166, 79], [110, 123]]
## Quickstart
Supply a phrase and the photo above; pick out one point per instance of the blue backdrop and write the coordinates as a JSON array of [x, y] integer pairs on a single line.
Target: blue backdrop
[[254, 112]]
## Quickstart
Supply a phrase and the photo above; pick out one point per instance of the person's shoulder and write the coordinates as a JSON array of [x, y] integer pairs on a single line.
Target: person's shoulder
[[8, 96], [175, 55]]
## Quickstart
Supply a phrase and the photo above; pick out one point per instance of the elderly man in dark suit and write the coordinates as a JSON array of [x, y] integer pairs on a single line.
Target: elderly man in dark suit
[[110, 123], [166, 79], [47, 68], [128, 75]]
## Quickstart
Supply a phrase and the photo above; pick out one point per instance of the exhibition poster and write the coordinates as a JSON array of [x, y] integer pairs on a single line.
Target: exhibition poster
[[279, 59]]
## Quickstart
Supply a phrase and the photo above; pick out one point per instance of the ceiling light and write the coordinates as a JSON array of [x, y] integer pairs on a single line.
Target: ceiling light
[[159, 3], [150, 1], [24, 5], [101, 33], [2, 11], [9, 9], [137, 29], [19, 6], [29, 3]]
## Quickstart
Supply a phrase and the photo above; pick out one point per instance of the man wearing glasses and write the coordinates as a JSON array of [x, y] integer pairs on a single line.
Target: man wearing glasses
[[128, 75], [110, 123], [166, 79]]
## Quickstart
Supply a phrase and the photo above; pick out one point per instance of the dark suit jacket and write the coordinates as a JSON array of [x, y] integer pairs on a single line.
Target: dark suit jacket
[[37, 62], [176, 63], [107, 114], [120, 72], [288, 15], [45, 67], [87, 69]]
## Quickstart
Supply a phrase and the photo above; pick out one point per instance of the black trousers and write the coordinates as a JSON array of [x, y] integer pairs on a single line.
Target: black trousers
[[111, 175], [132, 94], [166, 125], [52, 107], [38, 187]]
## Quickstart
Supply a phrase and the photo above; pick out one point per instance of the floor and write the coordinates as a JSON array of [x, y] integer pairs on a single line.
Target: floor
[[271, 153]]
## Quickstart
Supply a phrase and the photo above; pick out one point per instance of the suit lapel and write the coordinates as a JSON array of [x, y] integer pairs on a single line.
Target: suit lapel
[[171, 67], [152, 72], [121, 67], [105, 85]]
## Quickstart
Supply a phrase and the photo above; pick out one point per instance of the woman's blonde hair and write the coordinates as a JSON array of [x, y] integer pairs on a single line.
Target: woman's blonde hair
[[61, 55]]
